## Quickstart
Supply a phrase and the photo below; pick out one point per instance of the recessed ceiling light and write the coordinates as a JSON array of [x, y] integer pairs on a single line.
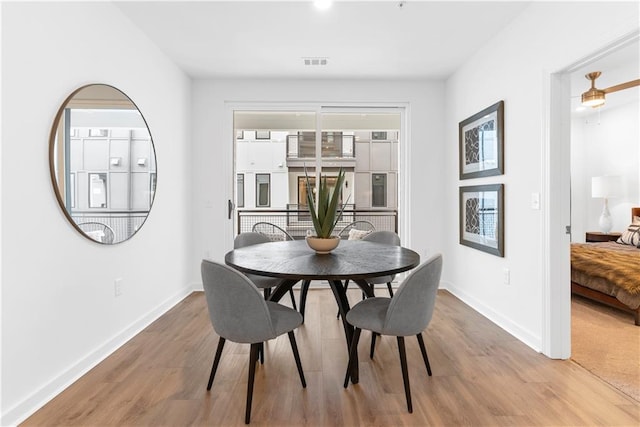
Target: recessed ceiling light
[[322, 4]]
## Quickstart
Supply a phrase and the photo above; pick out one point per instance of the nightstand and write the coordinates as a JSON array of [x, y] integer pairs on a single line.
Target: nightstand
[[597, 236]]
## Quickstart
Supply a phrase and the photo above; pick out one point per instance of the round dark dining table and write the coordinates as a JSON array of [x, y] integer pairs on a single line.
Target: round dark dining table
[[295, 261]]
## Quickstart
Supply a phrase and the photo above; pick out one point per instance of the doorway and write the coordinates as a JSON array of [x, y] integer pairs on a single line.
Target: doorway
[[573, 141], [605, 160]]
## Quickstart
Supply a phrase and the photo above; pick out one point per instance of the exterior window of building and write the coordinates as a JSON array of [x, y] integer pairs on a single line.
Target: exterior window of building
[[240, 190], [378, 136], [153, 179], [263, 190], [331, 144], [72, 189], [302, 189], [379, 190], [97, 190]]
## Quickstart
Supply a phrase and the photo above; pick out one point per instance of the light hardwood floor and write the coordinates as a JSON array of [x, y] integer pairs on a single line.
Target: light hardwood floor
[[482, 376]]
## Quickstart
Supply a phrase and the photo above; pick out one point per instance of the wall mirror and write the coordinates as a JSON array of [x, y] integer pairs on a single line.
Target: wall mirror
[[102, 163]]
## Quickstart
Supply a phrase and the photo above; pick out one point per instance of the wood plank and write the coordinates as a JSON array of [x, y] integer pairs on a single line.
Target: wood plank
[[481, 376]]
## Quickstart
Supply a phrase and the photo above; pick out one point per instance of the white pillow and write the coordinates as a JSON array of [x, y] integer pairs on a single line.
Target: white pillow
[[355, 234], [631, 236], [274, 237]]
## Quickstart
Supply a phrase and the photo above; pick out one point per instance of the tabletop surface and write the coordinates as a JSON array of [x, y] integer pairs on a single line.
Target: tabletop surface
[[352, 259]]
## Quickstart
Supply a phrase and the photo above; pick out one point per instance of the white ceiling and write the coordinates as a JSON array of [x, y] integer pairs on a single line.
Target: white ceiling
[[360, 39], [383, 39]]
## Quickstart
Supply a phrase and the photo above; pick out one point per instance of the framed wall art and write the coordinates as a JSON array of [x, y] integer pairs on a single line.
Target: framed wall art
[[482, 218], [481, 138]]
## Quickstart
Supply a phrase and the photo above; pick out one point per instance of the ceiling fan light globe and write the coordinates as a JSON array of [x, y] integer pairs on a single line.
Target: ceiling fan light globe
[[593, 98]]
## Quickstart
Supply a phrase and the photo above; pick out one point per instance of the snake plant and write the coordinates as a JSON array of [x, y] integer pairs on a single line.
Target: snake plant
[[325, 215]]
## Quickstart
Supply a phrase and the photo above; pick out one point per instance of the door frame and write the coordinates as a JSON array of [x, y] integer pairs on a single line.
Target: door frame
[[556, 291]]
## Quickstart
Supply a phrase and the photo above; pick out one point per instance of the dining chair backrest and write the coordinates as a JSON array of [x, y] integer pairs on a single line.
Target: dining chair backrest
[[411, 308], [105, 234], [249, 238], [361, 228], [272, 231], [237, 310], [383, 236], [387, 238]]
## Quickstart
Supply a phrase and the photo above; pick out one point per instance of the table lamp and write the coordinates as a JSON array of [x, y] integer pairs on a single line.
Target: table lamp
[[606, 187]]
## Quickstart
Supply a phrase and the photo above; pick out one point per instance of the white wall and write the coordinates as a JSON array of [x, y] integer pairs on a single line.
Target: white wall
[[212, 137], [605, 142], [59, 312], [514, 67], [254, 157]]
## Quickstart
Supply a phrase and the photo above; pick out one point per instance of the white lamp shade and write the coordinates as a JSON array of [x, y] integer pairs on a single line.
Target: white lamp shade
[[606, 186]]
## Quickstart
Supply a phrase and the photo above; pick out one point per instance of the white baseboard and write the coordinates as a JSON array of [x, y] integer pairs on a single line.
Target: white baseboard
[[522, 334], [20, 412]]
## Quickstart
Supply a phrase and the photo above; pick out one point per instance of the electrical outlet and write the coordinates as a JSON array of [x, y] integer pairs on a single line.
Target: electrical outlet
[[506, 276], [117, 287]]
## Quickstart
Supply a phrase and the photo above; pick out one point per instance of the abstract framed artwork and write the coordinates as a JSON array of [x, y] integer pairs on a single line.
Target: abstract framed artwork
[[482, 218], [481, 138]]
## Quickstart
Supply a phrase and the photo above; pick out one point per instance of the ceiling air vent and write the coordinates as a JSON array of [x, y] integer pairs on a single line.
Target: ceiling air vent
[[315, 61]]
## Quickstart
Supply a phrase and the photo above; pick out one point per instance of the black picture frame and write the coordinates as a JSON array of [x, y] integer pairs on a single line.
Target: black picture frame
[[482, 218], [481, 139]]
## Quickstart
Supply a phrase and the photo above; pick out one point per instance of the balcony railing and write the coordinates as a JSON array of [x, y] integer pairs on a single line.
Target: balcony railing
[[297, 221], [124, 224]]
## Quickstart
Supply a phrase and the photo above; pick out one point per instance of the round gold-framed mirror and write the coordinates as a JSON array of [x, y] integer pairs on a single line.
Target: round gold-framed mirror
[[102, 163]]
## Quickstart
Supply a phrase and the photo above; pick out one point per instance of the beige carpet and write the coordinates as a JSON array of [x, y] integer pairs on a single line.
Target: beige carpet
[[606, 342]]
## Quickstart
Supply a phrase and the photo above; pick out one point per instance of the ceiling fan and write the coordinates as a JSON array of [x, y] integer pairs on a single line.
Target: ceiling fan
[[595, 97]]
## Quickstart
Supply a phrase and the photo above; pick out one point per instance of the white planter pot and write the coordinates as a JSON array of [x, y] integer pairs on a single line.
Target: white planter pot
[[321, 245]]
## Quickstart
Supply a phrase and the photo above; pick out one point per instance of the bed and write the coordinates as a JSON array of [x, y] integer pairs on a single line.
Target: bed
[[609, 272]]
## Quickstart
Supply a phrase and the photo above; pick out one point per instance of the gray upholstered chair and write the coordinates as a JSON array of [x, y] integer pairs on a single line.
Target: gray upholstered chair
[[98, 231], [238, 313], [262, 282], [272, 231], [407, 313], [387, 238]]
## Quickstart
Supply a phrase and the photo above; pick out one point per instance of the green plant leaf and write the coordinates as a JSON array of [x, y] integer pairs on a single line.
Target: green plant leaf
[[311, 203], [325, 215]]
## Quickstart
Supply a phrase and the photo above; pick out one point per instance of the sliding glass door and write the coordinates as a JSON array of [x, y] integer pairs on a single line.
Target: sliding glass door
[[276, 149]]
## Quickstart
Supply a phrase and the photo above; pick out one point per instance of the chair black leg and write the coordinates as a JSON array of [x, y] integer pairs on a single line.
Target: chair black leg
[[293, 300], [405, 373], [353, 350], [423, 349], [267, 293], [216, 360], [252, 375], [296, 355], [303, 296], [390, 289], [261, 353], [373, 344]]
